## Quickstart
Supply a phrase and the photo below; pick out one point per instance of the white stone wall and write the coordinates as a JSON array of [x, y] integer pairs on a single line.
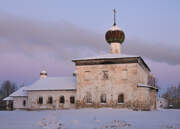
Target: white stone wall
[[34, 95], [145, 97], [162, 103], [142, 75], [18, 102], [122, 79]]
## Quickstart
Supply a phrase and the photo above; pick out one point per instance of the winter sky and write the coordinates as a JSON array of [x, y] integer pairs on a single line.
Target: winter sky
[[48, 34]]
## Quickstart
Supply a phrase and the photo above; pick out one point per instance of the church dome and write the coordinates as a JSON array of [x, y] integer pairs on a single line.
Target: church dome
[[115, 35]]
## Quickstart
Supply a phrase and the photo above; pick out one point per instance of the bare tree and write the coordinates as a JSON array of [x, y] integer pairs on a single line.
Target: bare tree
[[178, 91], [7, 88], [173, 96], [153, 81]]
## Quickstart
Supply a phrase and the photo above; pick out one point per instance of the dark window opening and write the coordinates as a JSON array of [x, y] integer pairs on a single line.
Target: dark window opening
[[50, 100], [62, 99], [72, 99], [121, 98], [24, 103], [40, 100], [103, 98]]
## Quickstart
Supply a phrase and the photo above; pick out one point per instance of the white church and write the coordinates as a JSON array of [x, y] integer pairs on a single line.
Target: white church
[[112, 80]]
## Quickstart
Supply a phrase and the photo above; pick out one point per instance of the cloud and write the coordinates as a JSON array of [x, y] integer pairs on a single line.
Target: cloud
[[31, 38], [65, 41], [155, 51]]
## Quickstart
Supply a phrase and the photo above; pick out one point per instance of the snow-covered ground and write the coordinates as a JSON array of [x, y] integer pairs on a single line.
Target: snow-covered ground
[[105, 118]]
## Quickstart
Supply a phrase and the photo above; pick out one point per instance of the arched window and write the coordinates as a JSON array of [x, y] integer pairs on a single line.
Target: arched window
[[40, 100], [88, 98], [72, 99], [24, 103], [62, 99], [103, 98], [121, 98], [50, 100]]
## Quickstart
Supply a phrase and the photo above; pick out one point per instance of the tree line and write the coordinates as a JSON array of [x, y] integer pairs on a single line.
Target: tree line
[[7, 88], [172, 94]]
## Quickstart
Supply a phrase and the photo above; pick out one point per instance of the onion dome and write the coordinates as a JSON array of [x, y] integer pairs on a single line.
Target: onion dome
[[115, 34]]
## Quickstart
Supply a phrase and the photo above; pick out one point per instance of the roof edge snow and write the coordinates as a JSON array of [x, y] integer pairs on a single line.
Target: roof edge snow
[[111, 59], [8, 98], [147, 86]]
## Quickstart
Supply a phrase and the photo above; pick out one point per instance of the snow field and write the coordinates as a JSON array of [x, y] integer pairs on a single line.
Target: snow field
[[104, 118]]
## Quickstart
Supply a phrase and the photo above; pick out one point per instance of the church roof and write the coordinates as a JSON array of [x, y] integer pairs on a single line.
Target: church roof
[[20, 92], [123, 58], [8, 98], [54, 83], [106, 56]]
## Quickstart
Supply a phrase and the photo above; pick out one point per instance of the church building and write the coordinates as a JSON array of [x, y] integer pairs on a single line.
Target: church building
[[112, 80]]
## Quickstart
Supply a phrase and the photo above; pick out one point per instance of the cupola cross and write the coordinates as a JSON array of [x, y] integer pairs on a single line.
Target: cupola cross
[[114, 10]]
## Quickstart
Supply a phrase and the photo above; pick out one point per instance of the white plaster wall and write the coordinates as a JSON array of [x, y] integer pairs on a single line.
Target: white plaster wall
[[142, 75], [34, 95], [162, 103], [18, 102], [119, 82], [116, 84]]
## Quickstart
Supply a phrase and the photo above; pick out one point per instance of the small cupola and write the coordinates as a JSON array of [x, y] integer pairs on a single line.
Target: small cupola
[[43, 74]]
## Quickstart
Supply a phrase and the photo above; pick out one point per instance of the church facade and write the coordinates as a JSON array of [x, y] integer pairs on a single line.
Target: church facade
[[111, 80]]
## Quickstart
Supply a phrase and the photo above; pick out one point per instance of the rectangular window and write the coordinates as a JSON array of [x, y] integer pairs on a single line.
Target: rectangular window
[[24, 103], [105, 75], [40, 100], [87, 75], [50, 100], [103, 98], [62, 99], [124, 74], [72, 99]]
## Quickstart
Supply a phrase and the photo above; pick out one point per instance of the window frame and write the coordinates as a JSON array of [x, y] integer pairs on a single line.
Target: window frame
[[24, 103], [72, 99], [103, 98], [87, 75], [121, 98], [62, 99], [105, 75], [50, 100], [40, 100], [88, 98], [125, 74]]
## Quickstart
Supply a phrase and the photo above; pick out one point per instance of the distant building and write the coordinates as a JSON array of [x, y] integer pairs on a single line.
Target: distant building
[[111, 80], [8, 103], [162, 103]]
